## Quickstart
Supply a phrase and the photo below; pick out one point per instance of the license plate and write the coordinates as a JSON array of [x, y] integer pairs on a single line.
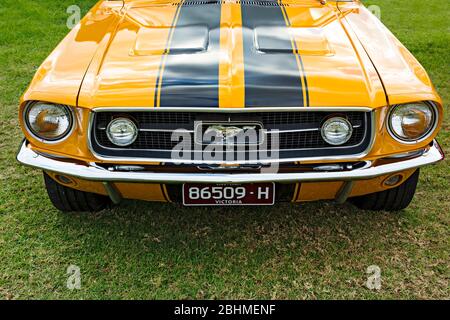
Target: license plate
[[261, 194]]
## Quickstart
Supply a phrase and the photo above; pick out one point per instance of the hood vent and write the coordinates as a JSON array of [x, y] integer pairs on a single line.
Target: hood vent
[[244, 2]]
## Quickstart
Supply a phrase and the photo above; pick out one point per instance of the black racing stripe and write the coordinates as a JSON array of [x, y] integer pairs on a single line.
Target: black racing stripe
[[272, 77], [165, 195], [305, 80], [166, 51], [191, 73], [297, 192]]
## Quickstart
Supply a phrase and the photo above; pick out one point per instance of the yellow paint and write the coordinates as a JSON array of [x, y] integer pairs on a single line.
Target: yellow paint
[[304, 192], [313, 191], [231, 69], [146, 192], [105, 54]]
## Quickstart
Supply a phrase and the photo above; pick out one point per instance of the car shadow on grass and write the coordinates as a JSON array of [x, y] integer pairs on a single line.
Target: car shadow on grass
[[159, 227], [172, 224]]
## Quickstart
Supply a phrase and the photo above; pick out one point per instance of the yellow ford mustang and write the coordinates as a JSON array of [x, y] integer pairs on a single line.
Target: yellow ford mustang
[[230, 102]]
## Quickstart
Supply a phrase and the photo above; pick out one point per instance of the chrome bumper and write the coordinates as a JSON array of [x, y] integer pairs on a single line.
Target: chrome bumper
[[92, 172]]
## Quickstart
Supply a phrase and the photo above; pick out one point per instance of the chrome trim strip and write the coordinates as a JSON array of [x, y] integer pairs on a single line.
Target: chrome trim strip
[[302, 130], [410, 154], [92, 172], [231, 110], [163, 130], [291, 131], [52, 156], [153, 130], [265, 130], [354, 157]]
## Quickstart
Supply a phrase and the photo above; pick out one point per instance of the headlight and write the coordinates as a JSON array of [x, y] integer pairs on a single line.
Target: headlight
[[122, 132], [412, 122], [337, 131], [50, 122]]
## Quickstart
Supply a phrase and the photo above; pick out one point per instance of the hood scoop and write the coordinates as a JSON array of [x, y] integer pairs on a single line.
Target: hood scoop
[[153, 41], [309, 41]]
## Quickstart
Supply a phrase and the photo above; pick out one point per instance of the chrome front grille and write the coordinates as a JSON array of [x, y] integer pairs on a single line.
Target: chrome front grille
[[299, 132]]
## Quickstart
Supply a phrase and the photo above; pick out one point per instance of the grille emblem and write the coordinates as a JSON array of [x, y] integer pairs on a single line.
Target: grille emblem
[[229, 134]]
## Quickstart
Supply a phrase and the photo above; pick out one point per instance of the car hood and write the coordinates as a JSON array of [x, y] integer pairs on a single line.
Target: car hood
[[230, 55]]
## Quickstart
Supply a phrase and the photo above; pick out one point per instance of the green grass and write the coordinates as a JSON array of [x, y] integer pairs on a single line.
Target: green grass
[[145, 251]]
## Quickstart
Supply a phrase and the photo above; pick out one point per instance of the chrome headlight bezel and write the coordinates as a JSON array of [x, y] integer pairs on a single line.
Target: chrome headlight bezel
[[131, 124], [39, 136], [426, 135], [330, 120]]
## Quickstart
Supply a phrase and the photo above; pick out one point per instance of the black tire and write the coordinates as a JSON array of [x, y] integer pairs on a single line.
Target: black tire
[[395, 199], [70, 200]]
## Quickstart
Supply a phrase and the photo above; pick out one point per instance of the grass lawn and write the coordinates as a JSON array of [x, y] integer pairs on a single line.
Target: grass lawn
[[145, 251]]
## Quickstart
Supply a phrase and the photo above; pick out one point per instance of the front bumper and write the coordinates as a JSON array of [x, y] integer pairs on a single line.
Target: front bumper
[[92, 172]]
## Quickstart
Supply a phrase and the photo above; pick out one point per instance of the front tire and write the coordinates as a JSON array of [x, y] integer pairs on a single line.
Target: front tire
[[70, 200], [395, 199]]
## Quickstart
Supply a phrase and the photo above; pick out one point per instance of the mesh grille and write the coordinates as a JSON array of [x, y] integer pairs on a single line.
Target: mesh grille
[[158, 128]]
